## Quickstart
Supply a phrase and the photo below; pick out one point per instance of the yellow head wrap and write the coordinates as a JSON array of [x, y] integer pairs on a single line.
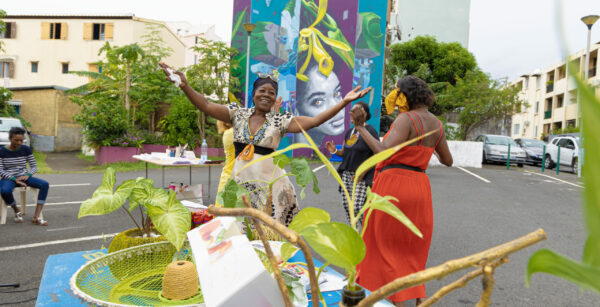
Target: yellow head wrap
[[396, 98]]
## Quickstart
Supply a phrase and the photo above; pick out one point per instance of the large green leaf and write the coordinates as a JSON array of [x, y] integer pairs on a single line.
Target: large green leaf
[[338, 243], [104, 200], [384, 203], [581, 274], [308, 216], [144, 193], [304, 175], [172, 220], [231, 195], [591, 251], [281, 160], [287, 250]]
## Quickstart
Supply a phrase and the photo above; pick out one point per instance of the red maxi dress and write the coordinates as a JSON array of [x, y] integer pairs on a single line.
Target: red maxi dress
[[393, 251]]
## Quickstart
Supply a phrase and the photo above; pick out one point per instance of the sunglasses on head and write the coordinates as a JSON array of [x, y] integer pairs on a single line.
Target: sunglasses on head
[[264, 75]]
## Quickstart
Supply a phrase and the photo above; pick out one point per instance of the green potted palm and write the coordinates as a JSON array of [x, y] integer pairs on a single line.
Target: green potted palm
[[162, 217]]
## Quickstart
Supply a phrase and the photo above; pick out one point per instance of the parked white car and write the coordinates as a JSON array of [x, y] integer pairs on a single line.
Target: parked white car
[[569, 152], [495, 149], [5, 124]]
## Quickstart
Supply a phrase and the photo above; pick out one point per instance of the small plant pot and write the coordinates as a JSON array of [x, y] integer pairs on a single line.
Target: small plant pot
[[351, 298]]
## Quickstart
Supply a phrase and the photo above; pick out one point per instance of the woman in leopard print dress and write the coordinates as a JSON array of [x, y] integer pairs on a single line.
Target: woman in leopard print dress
[[257, 131]]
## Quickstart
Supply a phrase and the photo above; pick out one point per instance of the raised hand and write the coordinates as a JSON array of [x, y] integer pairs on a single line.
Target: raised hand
[[167, 70], [330, 146], [277, 105], [356, 93], [358, 116]]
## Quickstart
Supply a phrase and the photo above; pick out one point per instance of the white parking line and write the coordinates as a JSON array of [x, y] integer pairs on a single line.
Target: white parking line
[[70, 185], [56, 204], [475, 175], [65, 228], [544, 175], [16, 247], [318, 168]]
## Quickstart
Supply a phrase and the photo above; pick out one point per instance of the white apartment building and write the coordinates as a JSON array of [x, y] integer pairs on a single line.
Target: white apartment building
[[191, 35], [552, 96], [40, 50]]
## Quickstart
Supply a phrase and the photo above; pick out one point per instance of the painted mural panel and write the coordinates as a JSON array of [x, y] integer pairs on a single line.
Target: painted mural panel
[[325, 65], [239, 37], [308, 46], [369, 57]]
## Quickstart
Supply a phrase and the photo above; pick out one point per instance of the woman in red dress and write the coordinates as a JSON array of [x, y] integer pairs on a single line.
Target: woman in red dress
[[393, 250]]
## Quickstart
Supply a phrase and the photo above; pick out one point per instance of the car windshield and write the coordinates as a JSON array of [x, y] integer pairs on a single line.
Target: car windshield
[[6, 124], [532, 143], [500, 140]]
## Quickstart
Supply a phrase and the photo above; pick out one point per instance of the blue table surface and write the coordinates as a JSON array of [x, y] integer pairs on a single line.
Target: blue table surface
[[55, 289]]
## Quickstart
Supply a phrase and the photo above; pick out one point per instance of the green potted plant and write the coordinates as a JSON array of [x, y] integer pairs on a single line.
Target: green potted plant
[[162, 216], [338, 243]]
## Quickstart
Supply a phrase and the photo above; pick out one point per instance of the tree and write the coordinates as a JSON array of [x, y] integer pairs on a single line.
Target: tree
[[478, 99], [446, 61], [2, 28], [211, 76], [128, 89]]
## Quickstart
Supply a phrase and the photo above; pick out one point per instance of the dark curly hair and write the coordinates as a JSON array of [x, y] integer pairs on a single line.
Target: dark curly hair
[[365, 107], [417, 92]]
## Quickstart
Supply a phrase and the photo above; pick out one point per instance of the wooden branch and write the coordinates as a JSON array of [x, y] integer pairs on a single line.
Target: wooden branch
[[451, 266], [488, 286], [459, 283], [272, 260], [285, 232]]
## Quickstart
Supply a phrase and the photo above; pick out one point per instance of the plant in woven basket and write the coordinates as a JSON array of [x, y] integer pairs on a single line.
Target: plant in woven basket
[[338, 243], [158, 210]]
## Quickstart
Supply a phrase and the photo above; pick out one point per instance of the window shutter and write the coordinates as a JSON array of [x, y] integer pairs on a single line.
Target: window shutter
[[45, 30], [11, 69], [108, 31], [63, 30], [13, 30], [88, 30]]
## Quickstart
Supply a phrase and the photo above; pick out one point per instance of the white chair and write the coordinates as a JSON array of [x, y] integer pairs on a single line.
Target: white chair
[[23, 192]]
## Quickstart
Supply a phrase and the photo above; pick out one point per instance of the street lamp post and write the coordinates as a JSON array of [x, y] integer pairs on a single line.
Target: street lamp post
[[249, 27], [589, 21]]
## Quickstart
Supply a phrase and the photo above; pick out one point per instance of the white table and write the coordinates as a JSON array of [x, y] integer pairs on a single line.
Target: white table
[[163, 160]]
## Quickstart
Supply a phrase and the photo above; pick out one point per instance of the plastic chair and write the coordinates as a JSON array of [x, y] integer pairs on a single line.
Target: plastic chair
[[23, 192]]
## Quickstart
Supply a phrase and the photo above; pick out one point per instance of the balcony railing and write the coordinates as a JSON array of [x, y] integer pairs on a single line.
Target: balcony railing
[[549, 87], [548, 114]]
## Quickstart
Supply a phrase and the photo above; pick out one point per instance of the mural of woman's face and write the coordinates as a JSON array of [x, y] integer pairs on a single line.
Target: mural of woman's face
[[318, 94]]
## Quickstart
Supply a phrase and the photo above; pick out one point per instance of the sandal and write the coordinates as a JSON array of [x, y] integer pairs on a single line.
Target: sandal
[[39, 221], [19, 217]]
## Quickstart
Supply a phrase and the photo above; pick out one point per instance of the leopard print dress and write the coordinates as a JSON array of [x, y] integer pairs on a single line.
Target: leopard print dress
[[284, 204]]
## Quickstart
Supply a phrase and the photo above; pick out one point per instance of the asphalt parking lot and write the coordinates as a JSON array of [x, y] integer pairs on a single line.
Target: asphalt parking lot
[[474, 209]]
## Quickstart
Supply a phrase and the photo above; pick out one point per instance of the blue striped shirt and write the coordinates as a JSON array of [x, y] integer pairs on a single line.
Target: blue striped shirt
[[13, 163]]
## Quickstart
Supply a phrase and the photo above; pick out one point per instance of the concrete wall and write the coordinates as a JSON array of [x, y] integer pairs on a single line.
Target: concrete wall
[[50, 113], [465, 154]]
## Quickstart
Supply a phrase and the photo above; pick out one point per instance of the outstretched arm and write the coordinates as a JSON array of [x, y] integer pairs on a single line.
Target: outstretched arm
[[397, 135], [307, 123], [217, 111]]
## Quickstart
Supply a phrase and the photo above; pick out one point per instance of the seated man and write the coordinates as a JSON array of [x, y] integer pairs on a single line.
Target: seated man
[[13, 171]]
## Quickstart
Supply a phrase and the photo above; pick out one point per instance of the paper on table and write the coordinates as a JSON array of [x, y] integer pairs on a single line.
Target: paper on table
[[193, 205]]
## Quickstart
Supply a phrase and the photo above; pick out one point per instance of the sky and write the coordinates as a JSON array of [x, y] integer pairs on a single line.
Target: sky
[[509, 38]]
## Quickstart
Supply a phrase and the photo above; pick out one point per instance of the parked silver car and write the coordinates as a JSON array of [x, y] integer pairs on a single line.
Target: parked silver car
[[533, 148], [495, 149], [5, 124]]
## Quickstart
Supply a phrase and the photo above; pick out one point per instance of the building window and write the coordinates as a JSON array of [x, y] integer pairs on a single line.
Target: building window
[[526, 83], [65, 68], [196, 40], [559, 100], [98, 31], [516, 128], [7, 69], [10, 31], [195, 59], [537, 106], [535, 131], [538, 82], [54, 30], [34, 67]]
